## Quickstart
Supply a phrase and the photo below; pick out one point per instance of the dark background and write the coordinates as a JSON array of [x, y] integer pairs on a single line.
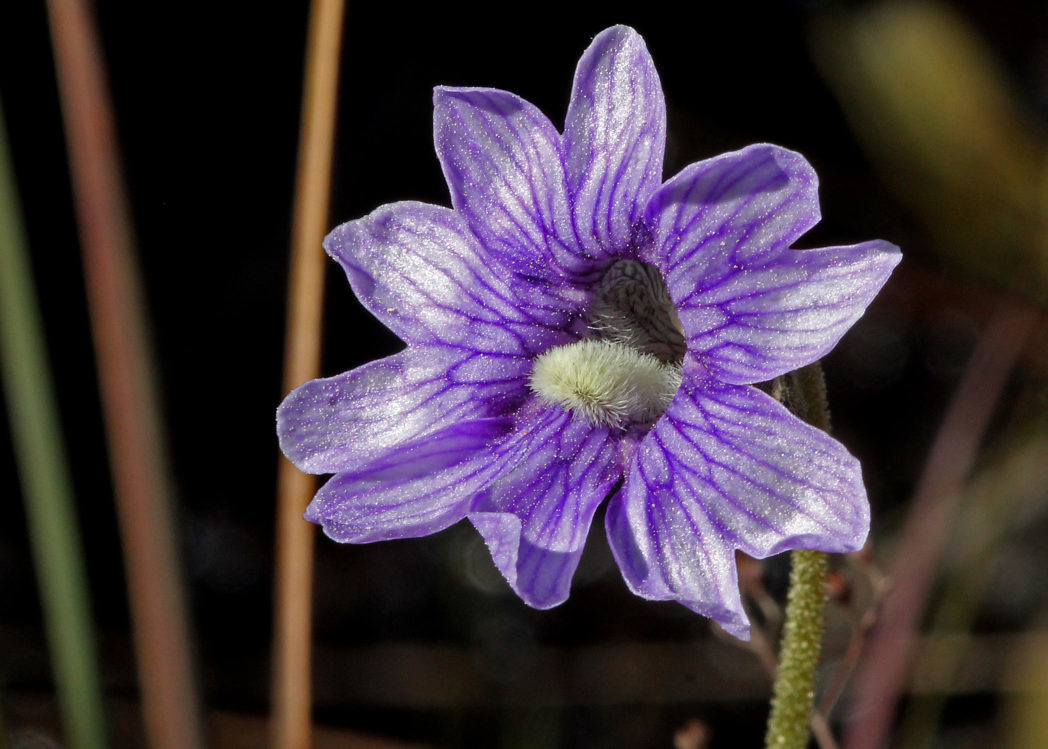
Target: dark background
[[207, 102]]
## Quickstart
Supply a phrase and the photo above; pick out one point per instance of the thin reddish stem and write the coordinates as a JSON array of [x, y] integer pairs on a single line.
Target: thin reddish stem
[[891, 645], [139, 466]]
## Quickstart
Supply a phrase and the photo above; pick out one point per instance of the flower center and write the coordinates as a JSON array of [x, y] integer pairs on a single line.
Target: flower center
[[633, 306], [629, 367]]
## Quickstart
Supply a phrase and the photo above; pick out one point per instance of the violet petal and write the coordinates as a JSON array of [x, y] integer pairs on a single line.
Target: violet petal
[[419, 269], [729, 468], [731, 211], [536, 515], [764, 321], [751, 308], [340, 423], [502, 160], [668, 550], [614, 139], [420, 489]]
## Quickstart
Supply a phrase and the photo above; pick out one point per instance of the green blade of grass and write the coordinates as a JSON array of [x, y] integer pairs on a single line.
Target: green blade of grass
[[45, 478]]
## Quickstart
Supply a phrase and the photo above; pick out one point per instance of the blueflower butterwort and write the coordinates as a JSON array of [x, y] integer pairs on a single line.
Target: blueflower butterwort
[[579, 330]]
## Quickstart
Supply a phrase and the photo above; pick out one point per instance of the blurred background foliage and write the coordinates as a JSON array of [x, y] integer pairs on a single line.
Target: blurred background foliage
[[926, 124]]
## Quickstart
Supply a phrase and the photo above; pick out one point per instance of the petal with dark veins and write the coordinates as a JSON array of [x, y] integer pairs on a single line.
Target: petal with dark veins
[[536, 515], [614, 140], [339, 423], [421, 271], [729, 468]]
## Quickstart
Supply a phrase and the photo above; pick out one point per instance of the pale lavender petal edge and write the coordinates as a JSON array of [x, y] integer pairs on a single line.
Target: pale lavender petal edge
[[727, 467], [665, 554], [614, 139], [339, 423], [536, 515], [734, 210], [503, 163], [760, 322], [422, 488], [767, 479], [421, 271]]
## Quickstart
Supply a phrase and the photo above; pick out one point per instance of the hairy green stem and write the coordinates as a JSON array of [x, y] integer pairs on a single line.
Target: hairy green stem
[[794, 692], [45, 481]]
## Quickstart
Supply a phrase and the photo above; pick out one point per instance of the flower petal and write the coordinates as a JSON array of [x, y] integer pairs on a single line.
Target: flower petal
[[763, 321], [730, 211], [502, 160], [419, 269], [668, 550], [422, 488], [536, 515], [340, 423], [728, 468], [614, 139]]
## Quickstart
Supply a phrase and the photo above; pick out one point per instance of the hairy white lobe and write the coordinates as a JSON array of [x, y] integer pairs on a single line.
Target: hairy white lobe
[[606, 382]]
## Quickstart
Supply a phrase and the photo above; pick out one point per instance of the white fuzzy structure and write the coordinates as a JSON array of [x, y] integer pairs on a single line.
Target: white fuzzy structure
[[606, 382]]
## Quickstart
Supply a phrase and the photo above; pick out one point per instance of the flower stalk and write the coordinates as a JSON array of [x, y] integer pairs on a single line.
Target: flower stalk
[[794, 692]]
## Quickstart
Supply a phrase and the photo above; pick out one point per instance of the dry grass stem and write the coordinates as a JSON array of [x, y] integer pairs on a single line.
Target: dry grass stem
[[126, 378], [294, 572]]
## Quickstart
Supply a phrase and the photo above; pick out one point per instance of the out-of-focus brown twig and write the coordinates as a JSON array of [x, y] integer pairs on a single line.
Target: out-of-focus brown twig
[[4, 743], [762, 645], [140, 471], [692, 735], [751, 581], [998, 498], [861, 626], [953, 452], [292, 692], [765, 632], [820, 729]]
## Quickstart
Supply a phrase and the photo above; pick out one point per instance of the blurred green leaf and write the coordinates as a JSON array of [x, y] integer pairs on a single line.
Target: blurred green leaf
[[45, 478], [938, 119]]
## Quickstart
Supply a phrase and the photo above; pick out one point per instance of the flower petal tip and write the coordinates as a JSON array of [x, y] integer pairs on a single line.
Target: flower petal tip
[[735, 627], [296, 435], [537, 576], [618, 36], [312, 514], [886, 252]]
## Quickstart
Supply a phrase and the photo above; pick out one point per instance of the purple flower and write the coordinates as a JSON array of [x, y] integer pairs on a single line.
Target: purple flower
[[575, 328]]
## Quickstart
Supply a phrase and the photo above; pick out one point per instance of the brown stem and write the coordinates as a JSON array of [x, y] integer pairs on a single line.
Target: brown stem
[[292, 694], [141, 475]]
